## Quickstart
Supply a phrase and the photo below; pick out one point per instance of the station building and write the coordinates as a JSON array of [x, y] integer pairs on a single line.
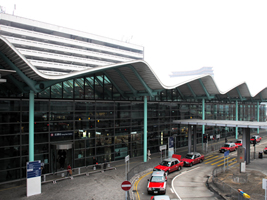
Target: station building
[[68, 93]]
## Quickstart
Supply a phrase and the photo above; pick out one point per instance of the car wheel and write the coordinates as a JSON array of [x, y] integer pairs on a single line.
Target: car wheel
[[167, 173], [191, 164], [201, 161], [179, 168]]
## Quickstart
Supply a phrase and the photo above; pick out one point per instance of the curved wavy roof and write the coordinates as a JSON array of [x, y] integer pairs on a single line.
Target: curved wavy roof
[[134, 78]]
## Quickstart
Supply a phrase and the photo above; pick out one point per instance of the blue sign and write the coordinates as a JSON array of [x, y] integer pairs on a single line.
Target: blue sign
[[171, 142], [226, 153], [33, 169]]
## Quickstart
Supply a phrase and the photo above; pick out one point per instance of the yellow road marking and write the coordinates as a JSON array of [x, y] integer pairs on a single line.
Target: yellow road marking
[[137, 182], [12, 188], [222, 161], [212, 160], [228, 161]]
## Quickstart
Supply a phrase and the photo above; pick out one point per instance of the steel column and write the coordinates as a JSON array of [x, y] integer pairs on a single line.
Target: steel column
[[203, 118], [145, 129], [31, 126], [258, 116], [236, 119]]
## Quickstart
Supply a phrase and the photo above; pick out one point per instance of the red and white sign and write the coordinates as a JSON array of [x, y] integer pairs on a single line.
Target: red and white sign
[[126, 185]]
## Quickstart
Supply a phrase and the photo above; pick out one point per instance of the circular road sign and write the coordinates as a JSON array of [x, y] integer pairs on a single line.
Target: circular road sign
[[126, 185]]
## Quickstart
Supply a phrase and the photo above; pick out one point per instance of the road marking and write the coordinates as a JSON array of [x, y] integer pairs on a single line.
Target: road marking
[[213, 160], [178, 176], [137, 182], [226, 161], [207, 159]]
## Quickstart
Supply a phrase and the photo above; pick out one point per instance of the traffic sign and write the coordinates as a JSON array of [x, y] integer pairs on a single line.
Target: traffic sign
[[127, 158], [126, 185], [226, 153], [163, 147]]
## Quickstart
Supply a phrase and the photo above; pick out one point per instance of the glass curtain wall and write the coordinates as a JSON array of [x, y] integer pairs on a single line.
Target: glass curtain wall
[[91, 115]]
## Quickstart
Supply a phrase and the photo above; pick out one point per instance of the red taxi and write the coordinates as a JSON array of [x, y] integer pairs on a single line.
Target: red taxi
[[265, 150], [170, 164], [157, 183], [160, 197], [193, 158], [255, 137], [238, 142], [228, 147]]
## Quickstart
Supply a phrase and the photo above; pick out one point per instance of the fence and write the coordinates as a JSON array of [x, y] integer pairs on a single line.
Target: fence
[[61, 175]]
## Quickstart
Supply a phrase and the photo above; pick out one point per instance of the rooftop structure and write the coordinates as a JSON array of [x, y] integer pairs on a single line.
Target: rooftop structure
[[56, 50]]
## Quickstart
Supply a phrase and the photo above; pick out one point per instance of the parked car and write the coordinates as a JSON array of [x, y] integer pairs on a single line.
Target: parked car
[[265, 150], [160, 197], [238, 142], [255, 137], [228, 147], [157, 183], [170, 164], [192, 158]]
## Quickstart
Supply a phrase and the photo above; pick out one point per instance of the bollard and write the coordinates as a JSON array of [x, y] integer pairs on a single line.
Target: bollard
[[44, 178], [94, 168], [244, 194], [79, 170]]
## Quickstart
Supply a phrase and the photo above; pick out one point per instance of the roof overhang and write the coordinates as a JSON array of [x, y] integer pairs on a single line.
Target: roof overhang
[[225, 123]]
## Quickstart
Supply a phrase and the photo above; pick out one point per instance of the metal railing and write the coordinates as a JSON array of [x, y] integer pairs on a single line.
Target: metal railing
[[79, 171]]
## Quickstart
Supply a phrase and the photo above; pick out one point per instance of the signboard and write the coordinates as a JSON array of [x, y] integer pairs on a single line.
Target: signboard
[[127, 158], [264, 183], [126, 185], [171, 142], [58, 134], [163, 147], [241, 154], [33, 169], [226, 153]]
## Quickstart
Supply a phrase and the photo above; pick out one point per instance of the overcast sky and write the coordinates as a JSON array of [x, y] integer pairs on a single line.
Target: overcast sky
[[229, 35]]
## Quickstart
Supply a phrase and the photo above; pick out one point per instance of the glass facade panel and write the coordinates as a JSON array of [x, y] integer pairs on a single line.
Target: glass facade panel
[[98, 121], [56, 91], [45, 94], [9, 105]]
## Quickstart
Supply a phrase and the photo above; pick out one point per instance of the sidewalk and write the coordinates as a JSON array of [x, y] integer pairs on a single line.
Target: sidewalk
[[96, 186]]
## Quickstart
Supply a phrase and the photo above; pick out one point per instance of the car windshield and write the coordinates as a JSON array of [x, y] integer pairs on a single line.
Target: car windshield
[[238, 141], [226, 145], [165, 163], [157, 179], [189, 156], [253, 137]]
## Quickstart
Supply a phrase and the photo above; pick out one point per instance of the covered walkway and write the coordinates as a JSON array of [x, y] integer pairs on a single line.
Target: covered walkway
[[246, 125]]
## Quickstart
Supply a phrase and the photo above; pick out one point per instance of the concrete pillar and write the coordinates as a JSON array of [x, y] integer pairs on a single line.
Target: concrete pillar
[[246, 143], [195, 138], [189, 138]]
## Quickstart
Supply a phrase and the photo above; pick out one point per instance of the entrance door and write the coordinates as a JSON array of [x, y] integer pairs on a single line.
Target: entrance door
[[61, 156]]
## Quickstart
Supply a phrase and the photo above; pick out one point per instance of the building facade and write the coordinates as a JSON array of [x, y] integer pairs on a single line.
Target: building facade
[[56, 50], [99, 111]]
